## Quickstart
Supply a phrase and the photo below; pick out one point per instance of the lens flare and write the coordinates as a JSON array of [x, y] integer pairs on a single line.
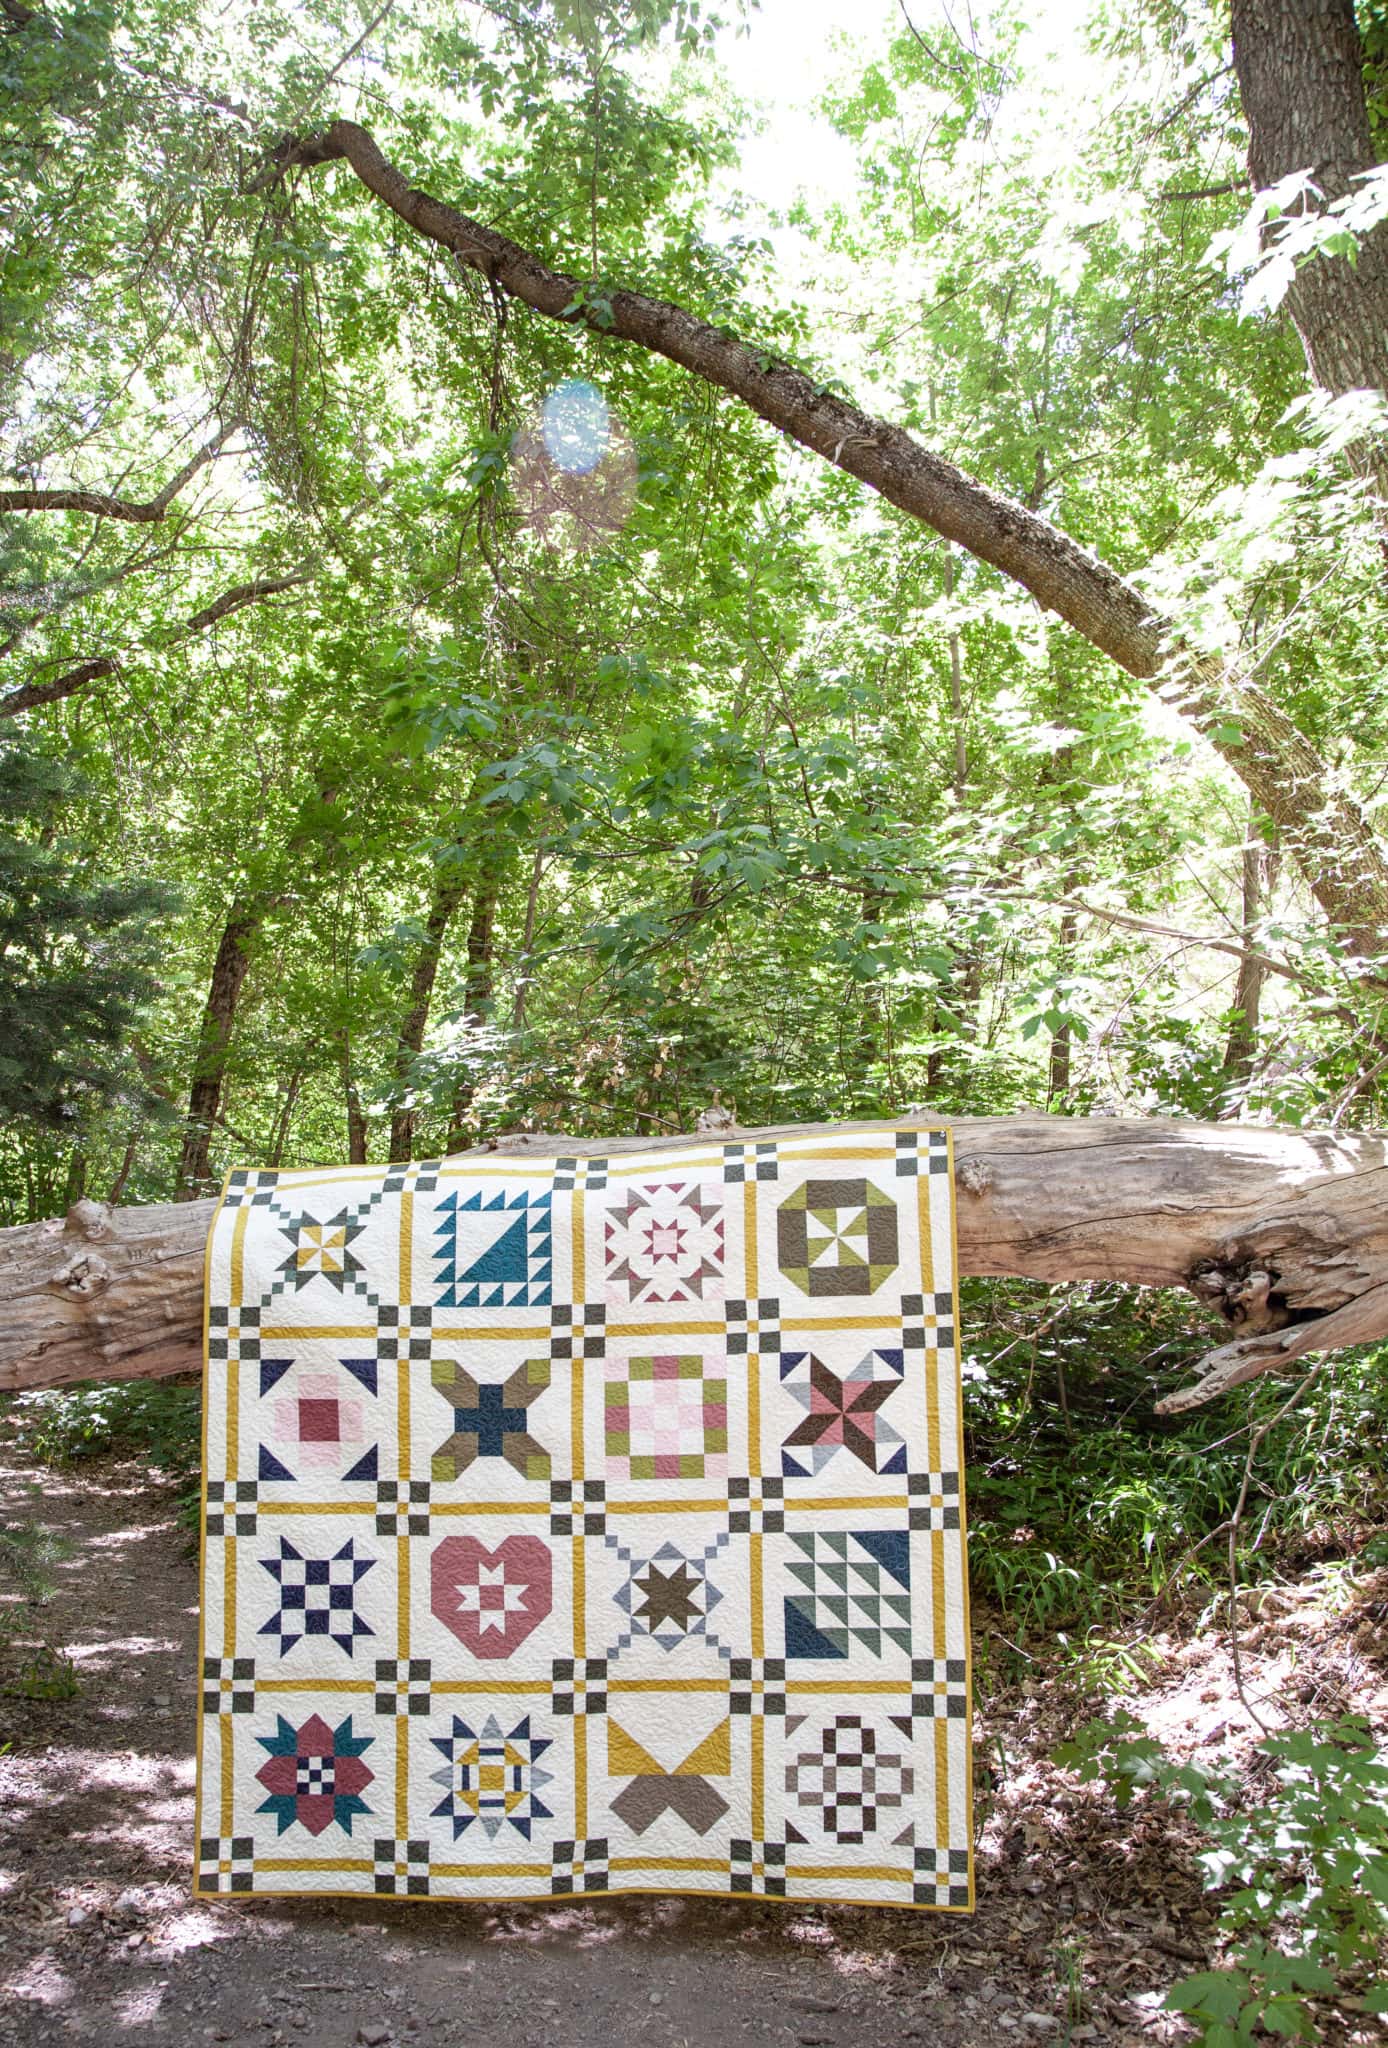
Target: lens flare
[[574, 470], [575, 426]]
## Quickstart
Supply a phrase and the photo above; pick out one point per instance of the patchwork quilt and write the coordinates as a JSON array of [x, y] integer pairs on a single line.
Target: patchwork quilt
[[588, 1525]]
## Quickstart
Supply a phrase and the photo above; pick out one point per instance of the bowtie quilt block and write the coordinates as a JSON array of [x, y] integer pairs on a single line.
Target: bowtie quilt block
[[589, 1525]]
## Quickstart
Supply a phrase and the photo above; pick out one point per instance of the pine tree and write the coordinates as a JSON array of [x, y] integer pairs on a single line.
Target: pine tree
[[76, 953]]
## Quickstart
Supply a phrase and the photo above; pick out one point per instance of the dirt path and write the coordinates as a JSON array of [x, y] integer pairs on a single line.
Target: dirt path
[[100, 1940]]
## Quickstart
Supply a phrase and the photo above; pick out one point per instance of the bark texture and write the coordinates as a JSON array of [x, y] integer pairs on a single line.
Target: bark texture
[[214, 1048], [1345, 863], [358, 1131], [1300, 66], [450, 887], [1283, 1232]]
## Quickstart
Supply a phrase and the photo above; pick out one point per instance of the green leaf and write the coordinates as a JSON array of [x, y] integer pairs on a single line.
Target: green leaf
[[1219, 1993], [1286, 2016]]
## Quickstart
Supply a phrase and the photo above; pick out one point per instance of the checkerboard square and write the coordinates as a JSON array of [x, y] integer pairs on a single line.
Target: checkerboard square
[[666, 1416]]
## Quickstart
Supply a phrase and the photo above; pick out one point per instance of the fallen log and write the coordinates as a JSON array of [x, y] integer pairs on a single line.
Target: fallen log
[[1283, 1232]]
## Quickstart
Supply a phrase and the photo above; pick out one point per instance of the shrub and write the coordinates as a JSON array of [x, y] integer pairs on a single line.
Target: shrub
[[1301, 1871], [150, 1418]]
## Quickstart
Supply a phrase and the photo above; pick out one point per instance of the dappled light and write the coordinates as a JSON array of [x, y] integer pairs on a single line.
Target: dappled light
[[94, 1837], [694, 707]]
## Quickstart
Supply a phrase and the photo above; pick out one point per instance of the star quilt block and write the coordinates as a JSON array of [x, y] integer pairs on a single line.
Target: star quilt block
[[588, 1525]]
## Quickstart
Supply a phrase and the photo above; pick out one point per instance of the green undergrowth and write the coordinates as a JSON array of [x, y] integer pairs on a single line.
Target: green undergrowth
[[1296, 1857], [156, 1421], [1084, 1504]]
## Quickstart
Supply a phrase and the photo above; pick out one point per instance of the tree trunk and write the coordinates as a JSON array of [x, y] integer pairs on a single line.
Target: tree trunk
[[280, 1135], [525, 964], [1259, 876], [1058, 1073], [477, 997], [1300, 66], [872, 1011], [214, 1048], [966, 977], [1345, 863], [357, 1131], [1284, 1232], [132, 1143], [450, 887]]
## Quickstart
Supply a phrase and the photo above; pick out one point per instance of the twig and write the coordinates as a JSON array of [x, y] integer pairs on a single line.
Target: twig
[[1159, 1598], [1356, 1087], [1204, 192], [1128, 922], [343, 61], [105, 504], [1255, 1444]]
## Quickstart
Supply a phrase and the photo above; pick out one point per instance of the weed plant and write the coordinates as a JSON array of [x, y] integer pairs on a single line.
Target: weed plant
[[1298, 1866], [32, 1665], [1084, 1504]]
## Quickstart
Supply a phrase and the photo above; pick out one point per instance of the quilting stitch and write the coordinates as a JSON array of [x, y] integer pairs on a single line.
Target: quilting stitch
[[588, 1526]]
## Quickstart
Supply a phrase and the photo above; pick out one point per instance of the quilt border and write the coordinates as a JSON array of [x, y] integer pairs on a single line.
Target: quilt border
[[540, 1898]]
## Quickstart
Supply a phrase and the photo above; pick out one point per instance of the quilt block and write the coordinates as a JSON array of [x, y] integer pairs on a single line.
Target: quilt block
[[588, 1525]]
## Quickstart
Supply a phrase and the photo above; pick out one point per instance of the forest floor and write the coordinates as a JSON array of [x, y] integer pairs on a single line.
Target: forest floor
[[1078, 1903]]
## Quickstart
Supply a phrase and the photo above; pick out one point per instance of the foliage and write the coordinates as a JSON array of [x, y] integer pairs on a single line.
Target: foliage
[[762, 789], [76, 954], [1083, 1505], [30, 1664], [157, 1420], [1285, 228], [1299, 1864]]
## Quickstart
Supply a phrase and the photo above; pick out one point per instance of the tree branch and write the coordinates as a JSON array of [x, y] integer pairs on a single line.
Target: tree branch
[[104, 505], [1346, 864], [32, 695], [233, 600], [1129, 923], [1220, 191]]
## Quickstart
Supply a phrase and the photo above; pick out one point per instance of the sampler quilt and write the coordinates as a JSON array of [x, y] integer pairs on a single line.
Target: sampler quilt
[[588, 1525]]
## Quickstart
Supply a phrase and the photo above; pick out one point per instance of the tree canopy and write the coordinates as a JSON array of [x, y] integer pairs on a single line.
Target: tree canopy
[[575, 640]]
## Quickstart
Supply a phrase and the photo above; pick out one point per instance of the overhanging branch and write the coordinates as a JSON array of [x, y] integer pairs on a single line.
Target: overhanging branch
[[105, 505], [1346, 864], [32, 695]]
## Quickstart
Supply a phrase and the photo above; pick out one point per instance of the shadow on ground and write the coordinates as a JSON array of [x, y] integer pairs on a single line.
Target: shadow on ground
[[100, 1939]]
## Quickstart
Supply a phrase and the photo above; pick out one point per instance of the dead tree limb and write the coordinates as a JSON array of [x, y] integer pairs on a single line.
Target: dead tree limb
[[1284, 1232]]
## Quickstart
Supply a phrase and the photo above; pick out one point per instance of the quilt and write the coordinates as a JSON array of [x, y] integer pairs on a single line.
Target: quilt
[[588, 1525]]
